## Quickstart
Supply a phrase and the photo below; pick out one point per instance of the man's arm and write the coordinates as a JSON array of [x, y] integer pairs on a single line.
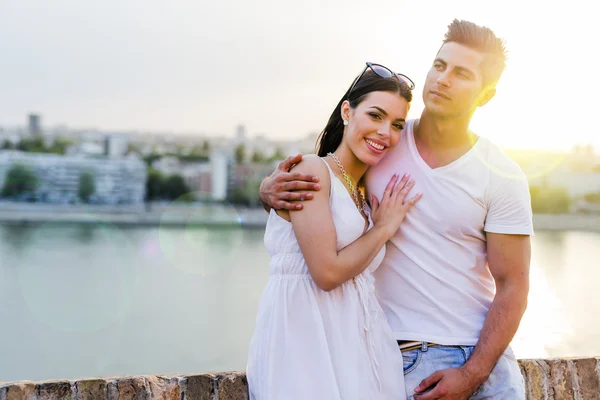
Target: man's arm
[[281, 187], [508, 259]]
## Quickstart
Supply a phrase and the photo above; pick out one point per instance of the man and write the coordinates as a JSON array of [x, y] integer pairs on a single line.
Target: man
[[455, 279]]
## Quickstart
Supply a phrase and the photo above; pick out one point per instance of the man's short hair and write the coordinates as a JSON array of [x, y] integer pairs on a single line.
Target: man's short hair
[[482, 39]]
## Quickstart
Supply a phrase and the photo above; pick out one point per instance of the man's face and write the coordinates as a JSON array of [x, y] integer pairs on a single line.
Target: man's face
[[454, 84]]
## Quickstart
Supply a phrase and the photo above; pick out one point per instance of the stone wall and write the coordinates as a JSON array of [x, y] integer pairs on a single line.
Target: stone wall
[[557, 379]]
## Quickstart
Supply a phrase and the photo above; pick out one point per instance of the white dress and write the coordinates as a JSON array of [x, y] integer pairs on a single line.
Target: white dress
[[310, 344]]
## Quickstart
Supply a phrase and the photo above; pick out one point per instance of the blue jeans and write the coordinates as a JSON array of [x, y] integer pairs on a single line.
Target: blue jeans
[[505, 381]]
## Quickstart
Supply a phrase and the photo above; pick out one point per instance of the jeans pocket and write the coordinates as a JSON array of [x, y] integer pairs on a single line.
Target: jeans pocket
[[411, 360]]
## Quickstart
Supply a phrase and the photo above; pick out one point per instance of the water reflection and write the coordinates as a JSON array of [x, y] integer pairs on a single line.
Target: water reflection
[[96, 300], [563, 297]]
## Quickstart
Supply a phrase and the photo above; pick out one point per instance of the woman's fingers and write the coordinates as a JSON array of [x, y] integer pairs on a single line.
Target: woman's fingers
[[403, 191], [413, 200], [390, 187], [402, 183]]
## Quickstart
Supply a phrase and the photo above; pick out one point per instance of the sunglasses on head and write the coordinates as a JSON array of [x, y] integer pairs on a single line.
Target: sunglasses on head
[[383, 72]]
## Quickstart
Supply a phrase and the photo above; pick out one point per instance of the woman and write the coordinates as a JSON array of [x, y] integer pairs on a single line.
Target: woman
[[320, 333]]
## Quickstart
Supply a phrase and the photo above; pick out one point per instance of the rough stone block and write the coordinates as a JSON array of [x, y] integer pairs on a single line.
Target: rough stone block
[[233, 386], [134, 388], [113, 390], [561, 379], [59, 390], [91, 389], [588, 378], [164, 388], [200, 387], [21, 391], [536, 372]]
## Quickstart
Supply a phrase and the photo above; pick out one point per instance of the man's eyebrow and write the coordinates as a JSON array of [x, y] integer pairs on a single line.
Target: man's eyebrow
[[381, 110], [462, 69], [440, 61]]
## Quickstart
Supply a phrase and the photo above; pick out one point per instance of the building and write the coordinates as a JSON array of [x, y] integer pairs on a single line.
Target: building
[[117, 181], [198, 176], [35, 124], [220, 165], [244, 182], [115, 145]]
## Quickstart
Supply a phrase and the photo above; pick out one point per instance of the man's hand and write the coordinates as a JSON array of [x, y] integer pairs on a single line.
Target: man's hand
[[282, 187], [449, 384]]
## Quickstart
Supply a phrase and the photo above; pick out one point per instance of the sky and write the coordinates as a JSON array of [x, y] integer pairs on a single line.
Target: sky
[[280, 67]]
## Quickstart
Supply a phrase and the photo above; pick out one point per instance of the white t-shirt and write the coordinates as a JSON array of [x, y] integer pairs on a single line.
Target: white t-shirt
[[434, 283]]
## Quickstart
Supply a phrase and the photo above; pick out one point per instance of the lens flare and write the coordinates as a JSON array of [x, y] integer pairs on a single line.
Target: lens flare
[[202, 229]]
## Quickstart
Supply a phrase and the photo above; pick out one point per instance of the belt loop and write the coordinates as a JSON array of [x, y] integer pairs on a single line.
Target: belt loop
[[424, 347]]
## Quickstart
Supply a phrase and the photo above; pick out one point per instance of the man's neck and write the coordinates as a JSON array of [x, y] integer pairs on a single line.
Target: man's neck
[[443, 134], [442, 141]]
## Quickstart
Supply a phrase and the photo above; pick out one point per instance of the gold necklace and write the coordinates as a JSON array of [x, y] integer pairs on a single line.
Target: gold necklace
[[359, 200]]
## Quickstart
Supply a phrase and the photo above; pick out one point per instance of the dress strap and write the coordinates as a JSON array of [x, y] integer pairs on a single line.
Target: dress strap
[[332, 179]]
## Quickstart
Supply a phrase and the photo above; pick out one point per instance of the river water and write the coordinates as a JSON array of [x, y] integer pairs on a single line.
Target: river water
[[85, 301]]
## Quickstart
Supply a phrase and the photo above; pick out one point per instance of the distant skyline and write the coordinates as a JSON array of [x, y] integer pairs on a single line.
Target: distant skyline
[[279, 68]]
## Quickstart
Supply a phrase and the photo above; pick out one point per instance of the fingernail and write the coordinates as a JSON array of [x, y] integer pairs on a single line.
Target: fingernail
[[299, 206], [308, 196], [317, 187], [411, 182], [315, 179]]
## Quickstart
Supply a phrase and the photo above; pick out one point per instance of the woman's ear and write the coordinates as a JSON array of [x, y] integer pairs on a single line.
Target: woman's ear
[[345, 111]]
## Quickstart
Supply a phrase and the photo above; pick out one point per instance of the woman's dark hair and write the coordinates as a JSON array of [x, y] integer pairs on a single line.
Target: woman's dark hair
[[331, 137]]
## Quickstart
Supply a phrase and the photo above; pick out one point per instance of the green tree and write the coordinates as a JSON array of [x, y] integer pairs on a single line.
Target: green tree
[[174, 186], [132, 148], [240, 153], [592, 197], [154, 184], [87, 185], [547, 200], [150, 158], [20, 179], [258, 157], [33, 145], [7, 145], [278, 155], [206, 147], [246, 194], [59, 146]]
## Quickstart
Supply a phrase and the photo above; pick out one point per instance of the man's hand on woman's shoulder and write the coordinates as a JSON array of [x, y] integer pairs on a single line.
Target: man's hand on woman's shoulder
[[282, 187]]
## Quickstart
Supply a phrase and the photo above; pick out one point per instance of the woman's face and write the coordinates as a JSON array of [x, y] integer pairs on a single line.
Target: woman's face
[[375, 125]]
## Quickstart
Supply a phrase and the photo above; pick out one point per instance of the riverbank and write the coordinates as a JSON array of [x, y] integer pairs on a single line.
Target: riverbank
[[175, 215], [223, 215], [544, 379]]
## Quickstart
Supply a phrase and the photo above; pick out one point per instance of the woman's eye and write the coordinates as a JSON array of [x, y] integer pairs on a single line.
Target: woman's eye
[[399, 126], [374, 115]]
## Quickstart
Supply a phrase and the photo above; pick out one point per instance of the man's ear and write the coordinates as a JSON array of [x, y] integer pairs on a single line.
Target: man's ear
[[345, 110], [486, 96]]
